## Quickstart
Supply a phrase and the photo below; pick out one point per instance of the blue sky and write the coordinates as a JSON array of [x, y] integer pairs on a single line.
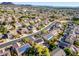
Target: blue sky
[[62, 4]]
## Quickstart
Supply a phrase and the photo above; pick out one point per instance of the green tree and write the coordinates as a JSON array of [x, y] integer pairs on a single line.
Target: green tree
[[52, 46], [68, 51], [37, 50], [42, 51], [75, 20], [44, 31], [46, 52], [26, 40], [76, 43], [3, 30]]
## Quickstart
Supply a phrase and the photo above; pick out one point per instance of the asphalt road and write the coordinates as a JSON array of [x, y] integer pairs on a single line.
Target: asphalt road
[[13, 41], [4, 45]]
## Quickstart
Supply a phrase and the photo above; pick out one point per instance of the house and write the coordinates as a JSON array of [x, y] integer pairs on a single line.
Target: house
[[23, 48], [5, 53], [70, 39], [74, 49], [32, 38], [30, 27], [55, 32], [10, 36], [39, 41], [62, 44], [0, 35], [77, 30], [48, 36], [45, 44], [58, 52], [5, 36]]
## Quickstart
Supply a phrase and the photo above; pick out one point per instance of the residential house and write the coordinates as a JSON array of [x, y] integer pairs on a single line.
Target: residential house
[[22, 49], [58, 52]]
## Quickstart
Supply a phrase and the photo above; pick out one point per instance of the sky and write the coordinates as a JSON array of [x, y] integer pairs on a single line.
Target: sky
[[62, 4]]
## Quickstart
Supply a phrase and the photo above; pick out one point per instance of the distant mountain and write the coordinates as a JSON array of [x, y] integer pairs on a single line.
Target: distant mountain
[[7, 3], [24, 4]]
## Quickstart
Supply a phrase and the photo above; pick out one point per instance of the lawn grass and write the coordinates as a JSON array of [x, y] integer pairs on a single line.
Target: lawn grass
[[76, 21]]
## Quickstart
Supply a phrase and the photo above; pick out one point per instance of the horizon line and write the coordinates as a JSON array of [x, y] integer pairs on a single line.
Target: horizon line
[[52, 4]]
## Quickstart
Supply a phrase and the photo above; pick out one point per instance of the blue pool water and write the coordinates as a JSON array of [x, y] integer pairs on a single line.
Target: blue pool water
[[49, 36]]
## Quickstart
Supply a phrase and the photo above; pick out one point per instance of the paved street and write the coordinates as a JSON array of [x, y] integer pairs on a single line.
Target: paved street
[[4, 45]]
